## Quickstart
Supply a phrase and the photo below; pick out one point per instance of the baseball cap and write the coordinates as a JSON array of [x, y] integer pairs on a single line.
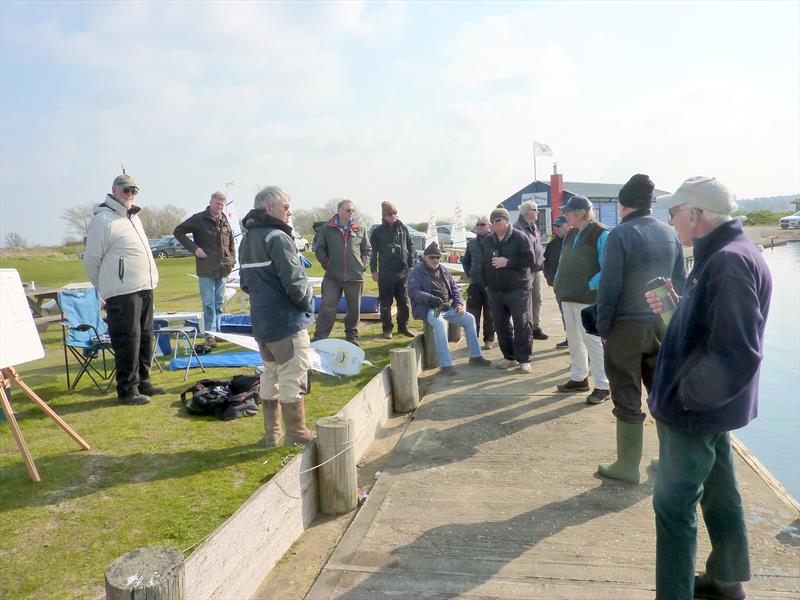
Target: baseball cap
[[705, 193], [577, 203], [560, 220], [124, 181]]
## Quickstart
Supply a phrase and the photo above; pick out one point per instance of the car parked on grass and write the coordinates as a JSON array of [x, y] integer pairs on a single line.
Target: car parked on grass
[[791, 221], [301, 242], [169, 247]]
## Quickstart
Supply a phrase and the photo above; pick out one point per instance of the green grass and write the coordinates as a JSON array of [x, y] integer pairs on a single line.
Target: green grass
[[154, 475]]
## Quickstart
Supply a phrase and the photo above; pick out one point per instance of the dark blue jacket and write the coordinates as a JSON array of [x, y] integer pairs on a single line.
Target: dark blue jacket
[[281, 300], [637, 250], [706, 380], [419, 289]]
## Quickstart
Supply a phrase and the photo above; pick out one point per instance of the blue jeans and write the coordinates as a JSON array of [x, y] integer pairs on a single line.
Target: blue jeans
[[467, 321], [212, 295], [692, 469]]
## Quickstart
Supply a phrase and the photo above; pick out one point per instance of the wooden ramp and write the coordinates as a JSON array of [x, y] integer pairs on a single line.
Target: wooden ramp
[[491, 493]]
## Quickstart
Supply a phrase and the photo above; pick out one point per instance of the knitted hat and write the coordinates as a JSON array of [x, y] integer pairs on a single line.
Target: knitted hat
[[499, 213], [387, 208], [637, 193], [432, 250]]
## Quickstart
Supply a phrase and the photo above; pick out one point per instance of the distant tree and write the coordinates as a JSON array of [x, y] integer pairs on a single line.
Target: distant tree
[[78, 219], [159, 221], [15, 240]]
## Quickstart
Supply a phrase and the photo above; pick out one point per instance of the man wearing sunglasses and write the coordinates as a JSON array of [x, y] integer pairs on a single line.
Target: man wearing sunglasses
[[120, 265], [343, 249], [477, 295]]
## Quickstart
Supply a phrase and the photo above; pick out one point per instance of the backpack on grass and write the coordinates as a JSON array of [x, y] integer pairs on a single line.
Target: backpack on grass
[[225, 399]]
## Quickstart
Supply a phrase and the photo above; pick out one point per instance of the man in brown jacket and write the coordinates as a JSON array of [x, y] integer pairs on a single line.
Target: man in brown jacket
[[215, 255]]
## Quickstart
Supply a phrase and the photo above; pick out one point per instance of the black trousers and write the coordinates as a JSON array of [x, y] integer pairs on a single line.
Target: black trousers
[[516, 343], [477, 303], [130, 325], [392, 286], [630, 356]]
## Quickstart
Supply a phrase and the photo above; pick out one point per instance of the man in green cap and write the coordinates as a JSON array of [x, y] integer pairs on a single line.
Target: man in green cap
[[120, 265]]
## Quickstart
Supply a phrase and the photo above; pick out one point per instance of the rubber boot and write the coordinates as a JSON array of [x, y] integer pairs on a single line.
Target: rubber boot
[[629, 453], [294, 419], [272, 422]]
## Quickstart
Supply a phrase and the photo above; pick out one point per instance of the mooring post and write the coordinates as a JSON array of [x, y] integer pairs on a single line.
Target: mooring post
[[338, 492], [403, 371], [429, 357], [155, 573]]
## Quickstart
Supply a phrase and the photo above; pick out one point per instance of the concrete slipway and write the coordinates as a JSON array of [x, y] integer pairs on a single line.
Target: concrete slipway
[[491, 493]]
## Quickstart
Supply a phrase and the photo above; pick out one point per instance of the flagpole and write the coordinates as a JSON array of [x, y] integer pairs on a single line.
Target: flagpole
[[534, 164]]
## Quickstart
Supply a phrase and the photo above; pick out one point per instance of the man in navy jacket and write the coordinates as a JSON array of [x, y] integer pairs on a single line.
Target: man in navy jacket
[[706, 384]]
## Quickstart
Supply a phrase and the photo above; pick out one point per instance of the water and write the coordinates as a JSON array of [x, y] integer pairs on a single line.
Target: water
[[774, 437]]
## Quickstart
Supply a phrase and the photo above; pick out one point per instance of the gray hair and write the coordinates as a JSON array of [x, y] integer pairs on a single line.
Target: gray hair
[[218, 195], [342, 203], [715, 219], [528, 206], [270, 196]]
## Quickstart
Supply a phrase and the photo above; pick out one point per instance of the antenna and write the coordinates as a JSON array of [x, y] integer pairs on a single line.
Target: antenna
[[123, 169]]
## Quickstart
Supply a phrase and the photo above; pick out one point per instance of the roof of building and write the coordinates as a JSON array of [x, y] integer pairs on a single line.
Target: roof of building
[[600, 191]]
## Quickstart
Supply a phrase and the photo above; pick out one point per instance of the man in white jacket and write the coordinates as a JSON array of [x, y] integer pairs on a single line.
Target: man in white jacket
[[120, 264]]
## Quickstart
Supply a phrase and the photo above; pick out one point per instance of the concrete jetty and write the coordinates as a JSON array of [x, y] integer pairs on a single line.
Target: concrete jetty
[[491, 492]]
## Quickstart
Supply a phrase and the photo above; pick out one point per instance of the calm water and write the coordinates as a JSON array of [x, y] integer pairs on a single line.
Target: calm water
[[774, 437]]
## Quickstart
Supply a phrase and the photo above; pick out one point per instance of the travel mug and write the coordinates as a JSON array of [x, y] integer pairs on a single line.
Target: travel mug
[[659, 287]]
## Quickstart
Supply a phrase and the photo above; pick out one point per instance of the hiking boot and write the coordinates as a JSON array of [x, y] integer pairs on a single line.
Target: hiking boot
[[447, 371], [629, 454], [505, 363], [133, 397], [598, 396], [147, 388], [272, 421], [486, 346], [706, 587], [479, 361], [563, 344], [538, 334], [573, 386], [525, 368], [387, 335], [405, 331]]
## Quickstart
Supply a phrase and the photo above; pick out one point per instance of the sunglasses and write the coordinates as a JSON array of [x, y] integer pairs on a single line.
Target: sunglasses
[[482, 225], [349, 210], [677, 209], [498, 219], [130, 190]]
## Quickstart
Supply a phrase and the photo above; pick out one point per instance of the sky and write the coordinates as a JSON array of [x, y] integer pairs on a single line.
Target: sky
[[421, 103]]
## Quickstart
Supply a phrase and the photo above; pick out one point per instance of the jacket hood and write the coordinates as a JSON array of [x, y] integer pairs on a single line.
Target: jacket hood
[[112, 204], [257, 217]]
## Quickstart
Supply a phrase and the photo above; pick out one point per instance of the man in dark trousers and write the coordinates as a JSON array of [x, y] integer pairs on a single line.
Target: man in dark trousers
[[477, 296], [507, 263], [215, 255], [706, 385], [638, 250], [343, 249], [552, 252], [526, 223], [392, 257]]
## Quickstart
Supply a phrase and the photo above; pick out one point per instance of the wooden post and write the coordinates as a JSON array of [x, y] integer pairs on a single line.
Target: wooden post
[[453, 332], [155, 573], [337, 474], [430, 359], [405, 390]]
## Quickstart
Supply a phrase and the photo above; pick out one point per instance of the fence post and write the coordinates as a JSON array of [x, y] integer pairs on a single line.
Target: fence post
[[155, 573], [403, 371], [430, 359], [337, 474]]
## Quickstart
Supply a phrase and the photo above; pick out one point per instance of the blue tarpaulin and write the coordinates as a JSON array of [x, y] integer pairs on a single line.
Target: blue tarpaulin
[[223, 359]]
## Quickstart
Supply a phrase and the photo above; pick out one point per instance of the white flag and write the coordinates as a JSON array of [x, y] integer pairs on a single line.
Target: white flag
[[540, 149]]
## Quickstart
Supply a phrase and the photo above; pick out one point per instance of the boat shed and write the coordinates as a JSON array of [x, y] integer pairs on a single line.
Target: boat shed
[[602, 195]]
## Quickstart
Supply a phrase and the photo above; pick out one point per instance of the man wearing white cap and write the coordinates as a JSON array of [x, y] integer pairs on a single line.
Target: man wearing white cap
[[705, 385]]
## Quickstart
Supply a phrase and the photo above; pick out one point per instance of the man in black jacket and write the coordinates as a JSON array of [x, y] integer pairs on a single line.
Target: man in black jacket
[[392, 257], [552, 252], [507, 263], [215, 256], [477, 295]]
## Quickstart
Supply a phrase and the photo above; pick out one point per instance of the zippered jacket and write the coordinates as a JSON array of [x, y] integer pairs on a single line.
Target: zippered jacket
[[473, 259], [118, 259], [531, 231], [420, 289], [392, 249], [343, 255], [706, 380], [517, 249], [215, 237], [579, 264]]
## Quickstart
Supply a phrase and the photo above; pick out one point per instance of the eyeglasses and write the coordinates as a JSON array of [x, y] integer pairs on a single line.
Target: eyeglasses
[[498, 219], [130, 190], [481, 225], [675, 210], [349, 210]]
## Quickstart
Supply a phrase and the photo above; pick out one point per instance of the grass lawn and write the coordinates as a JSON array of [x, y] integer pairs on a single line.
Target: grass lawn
[[155, 475]]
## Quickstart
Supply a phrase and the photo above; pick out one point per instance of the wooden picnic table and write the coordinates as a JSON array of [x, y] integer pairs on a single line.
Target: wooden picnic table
[[43, 316]]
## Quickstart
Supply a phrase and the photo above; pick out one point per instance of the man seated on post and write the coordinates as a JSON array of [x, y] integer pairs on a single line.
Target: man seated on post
[[436, 298]]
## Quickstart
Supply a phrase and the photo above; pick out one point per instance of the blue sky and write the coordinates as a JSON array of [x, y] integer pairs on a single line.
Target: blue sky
[[420, 103]]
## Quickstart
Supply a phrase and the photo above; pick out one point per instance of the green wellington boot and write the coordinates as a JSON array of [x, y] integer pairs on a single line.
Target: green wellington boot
[[629, 454]]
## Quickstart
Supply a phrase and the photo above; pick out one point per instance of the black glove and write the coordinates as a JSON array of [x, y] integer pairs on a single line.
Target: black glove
[[436, 302]]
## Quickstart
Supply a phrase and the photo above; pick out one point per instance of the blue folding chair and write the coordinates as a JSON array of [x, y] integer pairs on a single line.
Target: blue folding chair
[[85, 336]]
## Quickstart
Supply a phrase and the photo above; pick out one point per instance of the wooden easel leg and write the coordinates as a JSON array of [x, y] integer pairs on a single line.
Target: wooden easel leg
[[12, 420], [11, 374]]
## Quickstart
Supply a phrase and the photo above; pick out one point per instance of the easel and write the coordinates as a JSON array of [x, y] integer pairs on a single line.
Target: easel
[[8, 376]]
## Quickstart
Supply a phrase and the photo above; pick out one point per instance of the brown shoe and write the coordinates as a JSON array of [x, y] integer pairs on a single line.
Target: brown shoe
[[294, 419], [405, 331], [272, 422]]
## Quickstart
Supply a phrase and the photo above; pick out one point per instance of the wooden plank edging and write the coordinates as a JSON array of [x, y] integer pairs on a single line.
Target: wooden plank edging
[[235, 558], [762, 471]]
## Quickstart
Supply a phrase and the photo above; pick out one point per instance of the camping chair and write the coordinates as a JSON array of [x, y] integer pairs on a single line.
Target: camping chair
[[85, 336]]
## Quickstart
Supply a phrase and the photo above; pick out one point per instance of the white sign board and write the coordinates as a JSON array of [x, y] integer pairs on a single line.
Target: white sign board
[[19, 340]]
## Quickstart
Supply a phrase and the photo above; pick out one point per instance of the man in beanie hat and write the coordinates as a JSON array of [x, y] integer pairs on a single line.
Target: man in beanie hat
[[392, 257], [637, 250], [507, 263], [436, 298], [120, 266], [575, 285], [706, 385]]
